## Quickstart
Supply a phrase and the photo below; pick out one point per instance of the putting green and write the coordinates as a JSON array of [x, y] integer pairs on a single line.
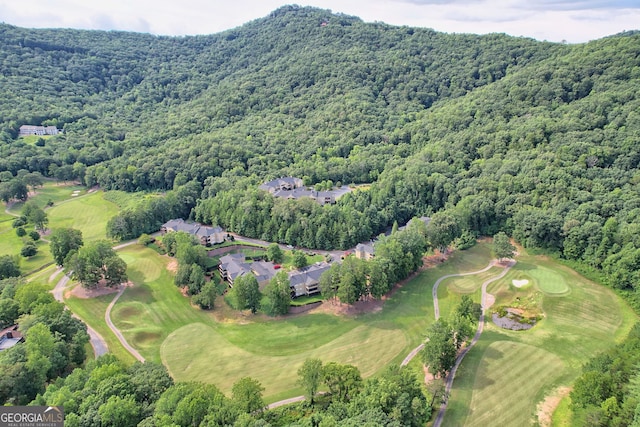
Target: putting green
[[197, 352], [509, 382], [549, 281]]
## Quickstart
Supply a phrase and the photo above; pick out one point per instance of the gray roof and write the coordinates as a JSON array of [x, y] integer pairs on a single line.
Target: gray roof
[[6, 343], [235, 265], [204, 231], [366, 248], [180, 225], [279, 183], [307, 276]]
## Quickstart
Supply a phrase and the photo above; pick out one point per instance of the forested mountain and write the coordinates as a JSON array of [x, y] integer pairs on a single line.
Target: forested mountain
[[488, 132], [243, 98], [483, 133]]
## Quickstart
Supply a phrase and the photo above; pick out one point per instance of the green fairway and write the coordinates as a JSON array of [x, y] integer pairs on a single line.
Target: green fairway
[[511, 377], [51, 191], [468, 284], [11, 244], [160, 322], [88, 213], [92, 311], [73, 207], [508, 373], [505, 367], [549, 281], [211, 358]]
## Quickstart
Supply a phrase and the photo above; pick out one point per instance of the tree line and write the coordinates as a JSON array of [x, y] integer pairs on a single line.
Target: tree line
[[107, 392]]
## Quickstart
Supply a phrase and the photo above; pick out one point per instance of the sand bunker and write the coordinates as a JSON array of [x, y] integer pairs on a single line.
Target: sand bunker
[[519, 283]]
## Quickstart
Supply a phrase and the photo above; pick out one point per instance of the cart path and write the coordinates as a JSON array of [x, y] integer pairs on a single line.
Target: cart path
[[434, 291], [116, 331], [487, 302], [98, 343], [436, 307]]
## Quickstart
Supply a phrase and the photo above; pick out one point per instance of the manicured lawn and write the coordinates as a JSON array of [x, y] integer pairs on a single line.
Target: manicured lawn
[[52, 191], [92, 311], [162, 325], [212, 358], [88, 213], [125, 200], [507, 374], [525, 374], [467, 284], [11, 244], [501, 381]]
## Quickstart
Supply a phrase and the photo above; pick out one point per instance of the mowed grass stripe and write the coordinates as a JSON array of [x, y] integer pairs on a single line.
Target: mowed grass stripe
[[211, 358], [92, 311], [469, 284], [509, 382], [51, 192], [579, 323], [88, 214]]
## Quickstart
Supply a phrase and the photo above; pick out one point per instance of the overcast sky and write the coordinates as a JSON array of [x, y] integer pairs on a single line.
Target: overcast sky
[[572, 21]]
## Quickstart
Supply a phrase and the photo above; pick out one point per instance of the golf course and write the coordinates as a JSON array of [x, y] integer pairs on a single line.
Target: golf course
[[503, 379]]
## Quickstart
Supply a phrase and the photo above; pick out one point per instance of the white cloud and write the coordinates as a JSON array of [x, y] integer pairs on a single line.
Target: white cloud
[[554, 20]]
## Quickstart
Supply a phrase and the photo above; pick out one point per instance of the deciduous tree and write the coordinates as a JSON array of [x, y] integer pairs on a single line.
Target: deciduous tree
[[439, 351], [247, 292], [247, 394], [502, 247], [310, 375], [278, 291], [63, 241], [274, 253]]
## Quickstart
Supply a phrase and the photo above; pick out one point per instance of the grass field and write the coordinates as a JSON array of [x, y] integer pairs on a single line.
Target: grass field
[[10, 244], [92, 312], [508, 373], [51, 191], [88, 213], [502, 379], [158, 321]]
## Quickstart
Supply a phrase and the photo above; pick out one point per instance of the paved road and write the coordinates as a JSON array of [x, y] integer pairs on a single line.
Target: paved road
[[116, 331], [486, 304], [412, 354], [98, 343]]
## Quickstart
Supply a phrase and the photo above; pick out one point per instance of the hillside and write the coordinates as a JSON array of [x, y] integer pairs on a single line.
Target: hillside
[[253, 92], [535, 138], [481, 133]]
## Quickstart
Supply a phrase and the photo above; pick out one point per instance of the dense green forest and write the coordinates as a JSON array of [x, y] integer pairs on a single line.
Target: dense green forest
[[483, 133]]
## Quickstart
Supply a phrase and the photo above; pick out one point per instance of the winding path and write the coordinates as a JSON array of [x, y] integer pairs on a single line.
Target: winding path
[[98, 343], [116, 331], [487, 302], [434, 291]]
